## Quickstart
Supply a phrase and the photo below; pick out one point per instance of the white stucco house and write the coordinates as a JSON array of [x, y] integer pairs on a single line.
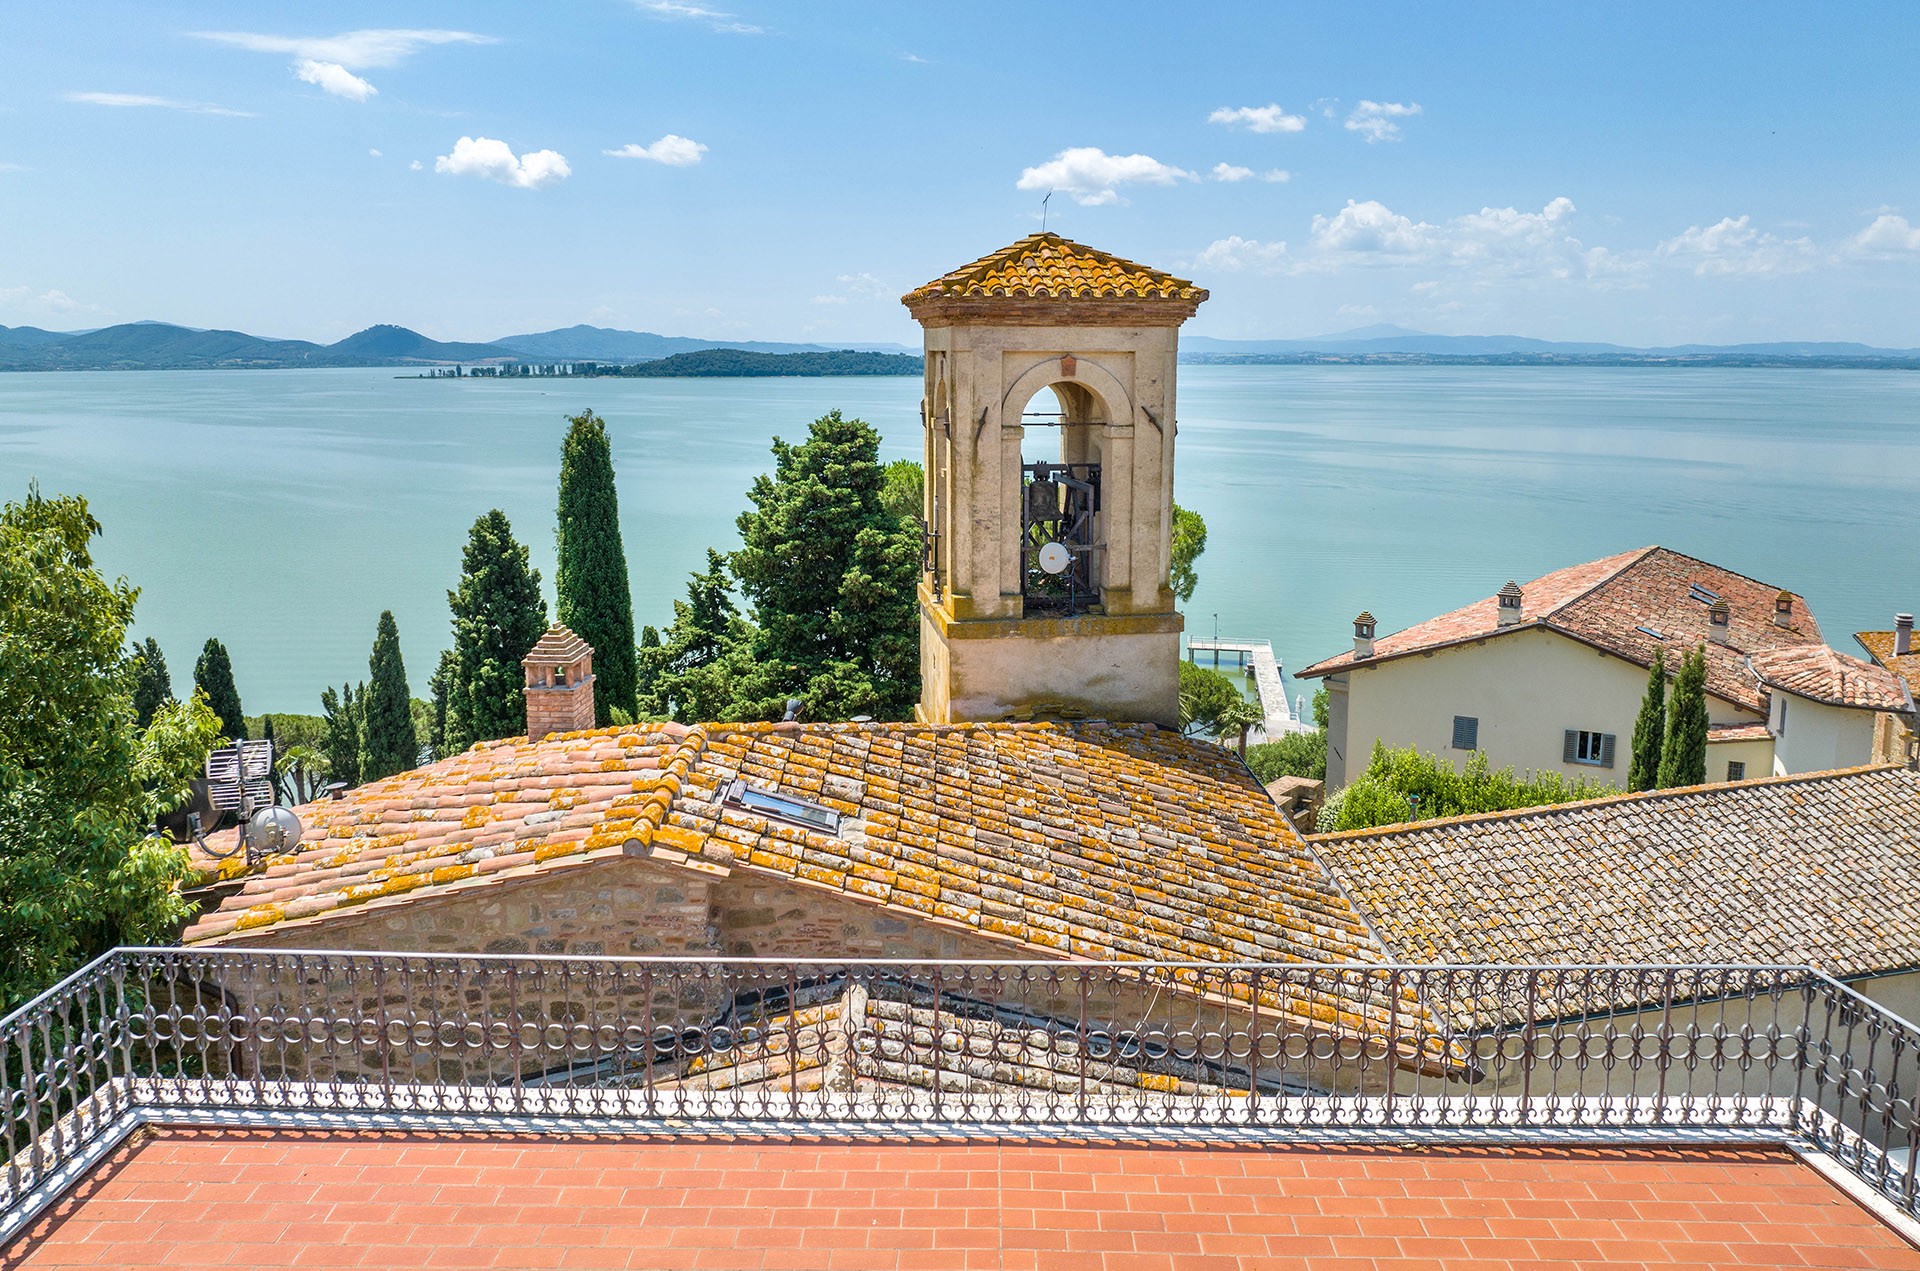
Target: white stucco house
[[1550, 675]]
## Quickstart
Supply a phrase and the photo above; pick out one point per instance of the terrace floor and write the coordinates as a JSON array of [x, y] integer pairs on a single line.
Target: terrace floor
[[226, 1198]]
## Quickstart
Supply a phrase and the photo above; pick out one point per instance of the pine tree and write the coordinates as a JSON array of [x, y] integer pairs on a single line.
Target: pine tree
[[498, 616], [646, 668], [213, 675], [387, 742], [343, 732], [833, 577], [1649, 731], [1683, 756], [699, 669], [152, 688], [591, 592]]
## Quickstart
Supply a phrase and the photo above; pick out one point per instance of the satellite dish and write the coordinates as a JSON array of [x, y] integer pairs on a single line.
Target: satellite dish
[[179, 824], [273, 831], [1054, 557]]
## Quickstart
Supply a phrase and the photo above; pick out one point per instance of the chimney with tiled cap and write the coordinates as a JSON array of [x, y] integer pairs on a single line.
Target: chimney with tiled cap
[[1719, 621], [1363, 635], [1510, 600], [1783, 609], [1902, 634], [559, 684]]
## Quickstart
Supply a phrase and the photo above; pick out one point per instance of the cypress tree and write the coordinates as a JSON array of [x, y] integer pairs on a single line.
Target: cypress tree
[[387, 742], [833, 577], [498, 616], [213, 675], [1683, 757], [591, 593], [1649, 731], [440, 685], [343, 732], [152, 688]]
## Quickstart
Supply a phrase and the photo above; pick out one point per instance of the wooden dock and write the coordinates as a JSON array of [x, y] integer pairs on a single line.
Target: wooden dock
[[1260, 663]]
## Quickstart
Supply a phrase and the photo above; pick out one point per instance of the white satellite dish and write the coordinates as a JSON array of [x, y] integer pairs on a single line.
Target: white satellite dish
[[1054, 557], [273, 831]]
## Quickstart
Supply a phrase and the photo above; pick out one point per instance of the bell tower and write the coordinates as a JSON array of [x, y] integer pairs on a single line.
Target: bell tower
[[1048, 425]]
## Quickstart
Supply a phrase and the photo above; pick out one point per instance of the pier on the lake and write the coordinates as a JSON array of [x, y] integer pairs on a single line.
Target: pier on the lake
[[1256, 656]]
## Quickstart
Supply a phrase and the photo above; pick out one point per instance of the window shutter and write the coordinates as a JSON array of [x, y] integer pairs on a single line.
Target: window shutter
[[1573, 746], [1466, 732], [1606, 751]]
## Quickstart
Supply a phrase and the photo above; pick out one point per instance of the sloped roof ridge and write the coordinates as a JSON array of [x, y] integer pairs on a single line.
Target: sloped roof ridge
[[1019, 269], [1722, 569], [1634, 557], [1579, 805]]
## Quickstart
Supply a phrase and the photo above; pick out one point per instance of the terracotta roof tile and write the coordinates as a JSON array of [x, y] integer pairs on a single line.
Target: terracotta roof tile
[[1817, 672], [1613, 604], [1879, 646], [1820, 870], [1051, 267]]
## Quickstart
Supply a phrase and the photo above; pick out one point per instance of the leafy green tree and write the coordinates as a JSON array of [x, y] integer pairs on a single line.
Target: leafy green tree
[[1683, 753], [692, 672], [1239, 719], [498, 616], [387, 743], [592, 595], [80, 782], [343, 732], [213, 675], [441, 686], [152, 687], [903, 488], [1400, 785], [1206, 698], [1293, 755], [1649, 730], [1189, 540], [645, 668], [833, 579]]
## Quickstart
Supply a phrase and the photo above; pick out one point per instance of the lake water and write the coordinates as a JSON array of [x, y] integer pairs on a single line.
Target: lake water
[[283, 510]]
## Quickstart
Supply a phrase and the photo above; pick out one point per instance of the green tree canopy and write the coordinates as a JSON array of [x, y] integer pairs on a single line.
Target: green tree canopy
[[213, 675], [691, 673], [1401, 785], [80, 782], [1207, 699], [1650, 729], [152, 687], [441, 687], [342, 746], [1683, 753], [387, 741], [903, 488], [591, 591], [833, 579], [1189, 540], [498, 616]]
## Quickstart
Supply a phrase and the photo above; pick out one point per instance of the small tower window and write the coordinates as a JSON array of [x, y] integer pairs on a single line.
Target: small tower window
[[559, 677]]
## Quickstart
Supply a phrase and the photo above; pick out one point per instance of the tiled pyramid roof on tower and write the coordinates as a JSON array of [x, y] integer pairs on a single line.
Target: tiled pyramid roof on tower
[[1051, 267]]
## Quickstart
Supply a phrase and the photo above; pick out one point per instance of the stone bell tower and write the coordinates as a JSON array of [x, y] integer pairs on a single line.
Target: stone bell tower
[[1049, 423]]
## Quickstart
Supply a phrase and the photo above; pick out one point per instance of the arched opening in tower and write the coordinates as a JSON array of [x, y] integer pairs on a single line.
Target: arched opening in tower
[[1062, 528]]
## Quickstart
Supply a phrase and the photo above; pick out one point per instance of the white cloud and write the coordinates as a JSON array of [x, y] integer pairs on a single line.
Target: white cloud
[[374, 153], [916, 59], [61, 302], [681, 11], [416, 166], [673, 150], [1491, 245], [495, 161], [1230, 173], [1092, 176], [1733, 247], [854, 287], [328, 61], [1372, 227], [1268, 118], [333, 78], [1235, 253], [160, 103], [1889, 235], [1375, 120]]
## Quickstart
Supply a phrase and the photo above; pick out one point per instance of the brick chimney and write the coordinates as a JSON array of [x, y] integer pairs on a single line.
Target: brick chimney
[[1719, 621], [559, 684], [1363, 635], [1511, 598], [1902, 634]]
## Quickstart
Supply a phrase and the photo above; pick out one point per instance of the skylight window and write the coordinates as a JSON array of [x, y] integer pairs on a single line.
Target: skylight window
[[1650, 631], [1701, 594], [784, 807]]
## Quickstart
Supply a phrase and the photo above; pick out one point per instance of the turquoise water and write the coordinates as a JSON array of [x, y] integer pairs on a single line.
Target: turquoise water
[[283, 510]]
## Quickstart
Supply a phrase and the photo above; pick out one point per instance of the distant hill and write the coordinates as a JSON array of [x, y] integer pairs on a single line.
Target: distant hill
[[704, 363], [142, 346], [604, 344], [1386, 342], [24, 337], [384, 344]]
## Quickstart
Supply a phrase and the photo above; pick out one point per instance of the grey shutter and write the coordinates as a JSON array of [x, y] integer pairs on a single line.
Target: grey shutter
[[1572, 750], [1466, 732], [1606, 751]]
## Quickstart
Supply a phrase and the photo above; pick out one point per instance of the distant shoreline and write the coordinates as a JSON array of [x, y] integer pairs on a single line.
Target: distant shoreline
[[1751, 361]]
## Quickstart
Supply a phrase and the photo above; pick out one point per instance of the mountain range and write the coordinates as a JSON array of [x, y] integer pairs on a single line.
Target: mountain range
[[163, 346]]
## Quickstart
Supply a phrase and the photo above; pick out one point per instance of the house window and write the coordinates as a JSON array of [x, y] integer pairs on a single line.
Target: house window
[[1736, 771], [783, 807], [1466, 732], [1589, 748]]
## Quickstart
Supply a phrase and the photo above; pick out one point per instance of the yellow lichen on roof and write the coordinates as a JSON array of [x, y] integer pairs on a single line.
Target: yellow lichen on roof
[[1051, 267]]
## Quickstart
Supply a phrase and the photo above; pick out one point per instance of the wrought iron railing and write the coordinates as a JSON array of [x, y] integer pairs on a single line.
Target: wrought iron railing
[[473, 1041]]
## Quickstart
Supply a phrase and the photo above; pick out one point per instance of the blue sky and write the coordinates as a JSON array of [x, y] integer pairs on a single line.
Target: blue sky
[[737, 168]]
